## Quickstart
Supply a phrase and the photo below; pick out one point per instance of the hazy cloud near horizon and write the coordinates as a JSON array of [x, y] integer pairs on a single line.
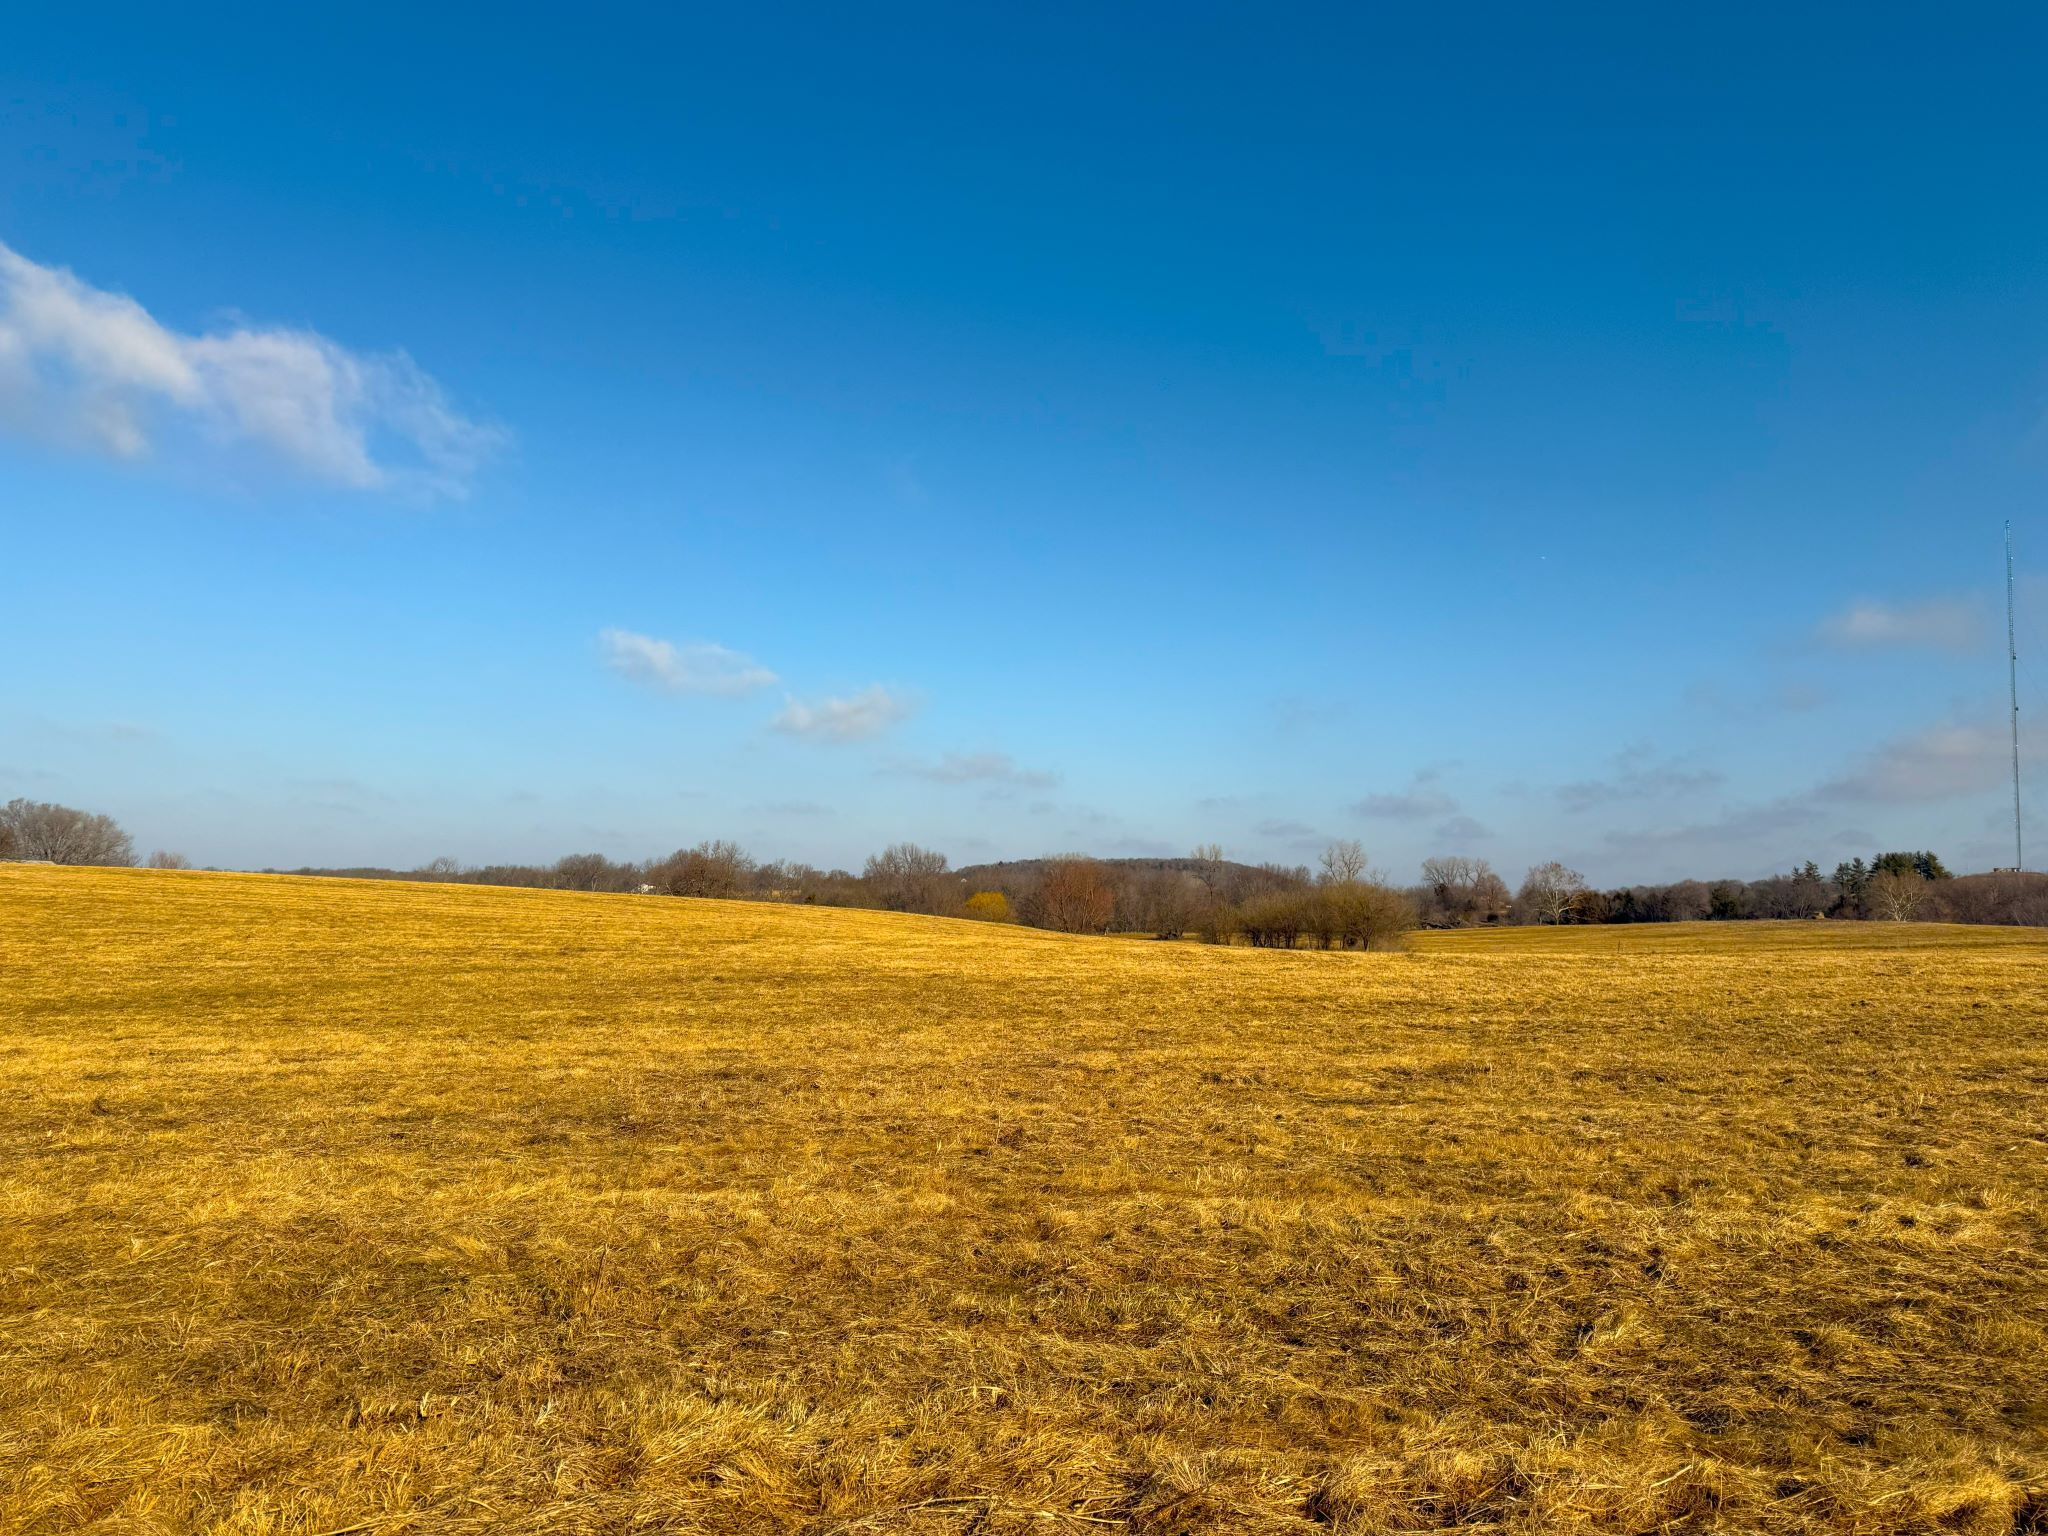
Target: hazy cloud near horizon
[[1918, 772]]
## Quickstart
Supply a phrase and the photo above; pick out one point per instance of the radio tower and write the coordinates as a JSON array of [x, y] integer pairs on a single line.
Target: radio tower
[[2012, 659]]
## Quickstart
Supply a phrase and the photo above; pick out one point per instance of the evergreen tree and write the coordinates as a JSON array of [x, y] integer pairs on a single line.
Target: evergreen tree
[[1916, 861], [1852, 880]]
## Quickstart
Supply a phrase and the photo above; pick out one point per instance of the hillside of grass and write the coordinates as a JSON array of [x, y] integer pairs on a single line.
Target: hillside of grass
[[355, 1207]]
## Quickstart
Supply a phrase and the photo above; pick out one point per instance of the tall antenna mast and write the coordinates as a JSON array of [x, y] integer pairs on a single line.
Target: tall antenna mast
[[2012, 658]]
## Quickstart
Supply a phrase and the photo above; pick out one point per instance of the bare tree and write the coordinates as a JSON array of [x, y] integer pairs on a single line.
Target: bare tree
[[1688, 901], [715, 867], [1344, 862], [1366, 913], [2010, 896], [449, 868], [582, 871], [1463, 891], [1552, 892], [1895, 894], [1275, 919], [1448, 873], [1074, 896], [57, 834], [163, 859], [1169, 901], [908, 878], [1216, 921]]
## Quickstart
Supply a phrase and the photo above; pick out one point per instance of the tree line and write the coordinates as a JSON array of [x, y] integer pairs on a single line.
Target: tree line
[[1204, 895], [1341, 902], [35, 830], [1898, 886]]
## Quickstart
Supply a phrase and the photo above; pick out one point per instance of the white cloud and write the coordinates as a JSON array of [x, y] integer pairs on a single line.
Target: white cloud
[[84, 367], [856, 718], [1941, 624], [699, 667]]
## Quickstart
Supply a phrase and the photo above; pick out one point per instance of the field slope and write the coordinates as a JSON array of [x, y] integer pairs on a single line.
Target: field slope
[[374, 1208]]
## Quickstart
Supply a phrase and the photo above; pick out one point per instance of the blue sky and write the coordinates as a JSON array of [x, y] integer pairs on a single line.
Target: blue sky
[[1490, 431]]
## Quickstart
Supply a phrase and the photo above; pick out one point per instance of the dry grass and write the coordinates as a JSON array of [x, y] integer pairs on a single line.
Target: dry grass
[[335, 1207]]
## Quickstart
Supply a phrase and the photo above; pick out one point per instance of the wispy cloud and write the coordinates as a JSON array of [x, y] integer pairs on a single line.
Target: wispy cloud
[[84, 367], [1638, 775], [339, 796], [700, 666], [1917, 769], [978, 768], [1292, 714], [1462, 829], [857, 717], [1938, 624], [1732, 834], [1792, 697], [1936, 763], [1292, 831], [1418, 802], [102, 734], [1137, 846]]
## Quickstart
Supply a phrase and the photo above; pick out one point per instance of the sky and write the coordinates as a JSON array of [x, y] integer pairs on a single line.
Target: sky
[[1520, 432]]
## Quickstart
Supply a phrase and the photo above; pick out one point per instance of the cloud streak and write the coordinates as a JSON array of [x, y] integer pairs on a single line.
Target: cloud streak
[[1416, 803], [1936, 624], [1728, 834], [1936, 763], [701, 666], [979, 768], [1902, 778], [1463, 829], [1293, 831], [83, 367], [857, 717], [1638, 776]]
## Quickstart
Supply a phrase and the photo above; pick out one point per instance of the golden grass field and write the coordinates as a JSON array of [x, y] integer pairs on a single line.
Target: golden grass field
[[378, 1208]]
